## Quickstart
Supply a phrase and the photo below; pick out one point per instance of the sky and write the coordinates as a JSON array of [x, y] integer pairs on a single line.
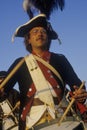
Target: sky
[[70, 24]]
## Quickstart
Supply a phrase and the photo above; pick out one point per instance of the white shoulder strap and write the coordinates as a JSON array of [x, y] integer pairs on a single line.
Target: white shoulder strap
[[50, 67], [41, 84]]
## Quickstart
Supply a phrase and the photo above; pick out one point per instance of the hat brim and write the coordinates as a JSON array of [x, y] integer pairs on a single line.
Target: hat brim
[[39, 20]]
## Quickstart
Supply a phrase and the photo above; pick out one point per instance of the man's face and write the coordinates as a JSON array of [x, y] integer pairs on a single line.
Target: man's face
[[38, 38]]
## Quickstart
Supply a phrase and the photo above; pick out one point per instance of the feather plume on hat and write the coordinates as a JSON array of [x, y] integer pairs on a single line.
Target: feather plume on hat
[[42, 6]]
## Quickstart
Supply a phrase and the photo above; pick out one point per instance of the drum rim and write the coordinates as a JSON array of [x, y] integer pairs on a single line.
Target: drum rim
[[56, 121]]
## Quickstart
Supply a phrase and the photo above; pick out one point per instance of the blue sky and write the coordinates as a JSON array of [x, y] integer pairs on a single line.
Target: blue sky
[[70, 24]]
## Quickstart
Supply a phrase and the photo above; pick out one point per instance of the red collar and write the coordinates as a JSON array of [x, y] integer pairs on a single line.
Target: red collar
[[46, 55]]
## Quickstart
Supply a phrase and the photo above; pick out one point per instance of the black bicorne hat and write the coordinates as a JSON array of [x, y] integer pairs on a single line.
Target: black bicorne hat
[[44, 8], [37, 21]]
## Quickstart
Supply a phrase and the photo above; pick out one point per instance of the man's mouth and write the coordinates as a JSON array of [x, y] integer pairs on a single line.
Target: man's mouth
[[40, 39]]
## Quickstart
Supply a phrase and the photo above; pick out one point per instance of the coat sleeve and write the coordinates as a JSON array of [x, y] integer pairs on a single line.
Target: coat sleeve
[[13, 79], [70, 76]]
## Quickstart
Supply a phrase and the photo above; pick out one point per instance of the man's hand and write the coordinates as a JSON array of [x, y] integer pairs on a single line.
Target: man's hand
[[80, 95]]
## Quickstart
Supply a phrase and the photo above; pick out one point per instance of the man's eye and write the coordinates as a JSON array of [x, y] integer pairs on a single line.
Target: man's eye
[[35, 31], [43, 31]]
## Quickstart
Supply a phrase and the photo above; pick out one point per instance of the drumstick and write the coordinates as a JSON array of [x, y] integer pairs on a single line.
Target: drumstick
[[70, 104], [11, 73]]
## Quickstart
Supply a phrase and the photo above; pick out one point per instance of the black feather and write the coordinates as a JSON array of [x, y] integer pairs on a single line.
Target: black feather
[[44, 6]]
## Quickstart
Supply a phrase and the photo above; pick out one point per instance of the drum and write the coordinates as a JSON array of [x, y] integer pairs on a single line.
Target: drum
[[9, 121], [9, 124], [65, 125]]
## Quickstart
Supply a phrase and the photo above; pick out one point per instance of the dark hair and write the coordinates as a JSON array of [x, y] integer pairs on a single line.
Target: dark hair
[[29, 47], [26, 42]]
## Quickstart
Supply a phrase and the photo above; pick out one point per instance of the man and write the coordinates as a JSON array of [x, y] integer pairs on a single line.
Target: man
[[41, 89]]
